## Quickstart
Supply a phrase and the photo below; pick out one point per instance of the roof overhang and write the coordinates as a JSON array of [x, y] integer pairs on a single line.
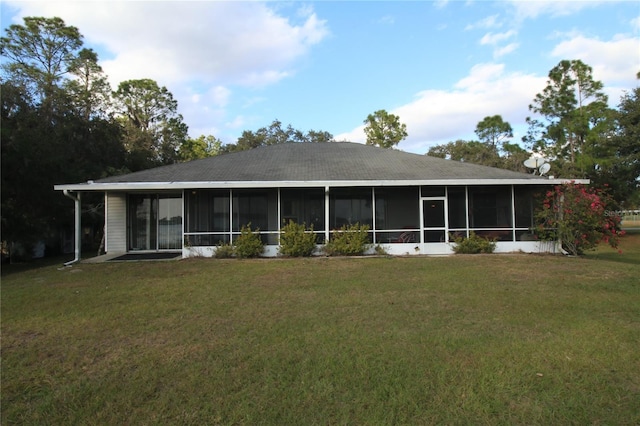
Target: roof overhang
[[168, 186]]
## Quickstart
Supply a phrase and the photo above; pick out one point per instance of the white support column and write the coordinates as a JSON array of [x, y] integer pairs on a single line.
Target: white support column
[[184, 220], [466, 207], [231, 216], [78, 227], [326, 213], [373, 214], [279, 213], [513, 213], [105, 229]]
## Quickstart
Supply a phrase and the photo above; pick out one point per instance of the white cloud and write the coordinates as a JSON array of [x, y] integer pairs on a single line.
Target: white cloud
[[237, 123], [487, 23], [554, 8], [614, 62], [441, 116], [223, 42], [493, 39], [197, 49], [502, 51], [440, 4], [219, 96], [497, 39]]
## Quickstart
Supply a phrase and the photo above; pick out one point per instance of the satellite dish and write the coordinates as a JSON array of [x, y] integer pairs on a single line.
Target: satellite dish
[[530, 163], [544, 168], [535, 163]]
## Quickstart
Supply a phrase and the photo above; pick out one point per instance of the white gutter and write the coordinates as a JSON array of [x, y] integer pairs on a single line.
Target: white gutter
[[77, 233], [155, 186]]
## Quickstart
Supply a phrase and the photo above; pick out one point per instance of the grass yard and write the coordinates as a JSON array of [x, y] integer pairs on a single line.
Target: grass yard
[[476, 339]]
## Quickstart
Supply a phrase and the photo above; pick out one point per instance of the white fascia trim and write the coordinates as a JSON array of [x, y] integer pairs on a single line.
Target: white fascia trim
[[157, 186]]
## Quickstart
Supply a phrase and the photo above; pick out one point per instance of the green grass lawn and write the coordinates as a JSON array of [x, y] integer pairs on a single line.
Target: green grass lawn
[[475, 339]]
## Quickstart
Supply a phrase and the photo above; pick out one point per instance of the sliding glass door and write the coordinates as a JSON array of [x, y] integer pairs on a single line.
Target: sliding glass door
[[155, 222]]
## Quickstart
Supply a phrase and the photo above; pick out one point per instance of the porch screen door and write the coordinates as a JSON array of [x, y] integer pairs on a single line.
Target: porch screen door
[[155, 222], [433, 220]]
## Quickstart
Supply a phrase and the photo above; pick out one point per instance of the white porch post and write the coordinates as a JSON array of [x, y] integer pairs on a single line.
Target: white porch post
[[78, 227], [326, 213]]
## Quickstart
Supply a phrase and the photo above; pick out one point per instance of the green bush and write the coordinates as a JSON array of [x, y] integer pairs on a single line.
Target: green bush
[[349, 240], [296, 241], [224, 251], [248, 243], [473, 245]]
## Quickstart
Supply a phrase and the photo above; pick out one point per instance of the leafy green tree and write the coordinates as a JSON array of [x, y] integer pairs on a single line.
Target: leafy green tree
[[90, 90], [39, 54], [384, 130], [153, 129], [513, 157], [468, 152], [248, 140], [621, 151], [494, 131], [201, 147], [492, 150], [275, 134], [318, 136], [52, 132], [37, 153], [572, 107]]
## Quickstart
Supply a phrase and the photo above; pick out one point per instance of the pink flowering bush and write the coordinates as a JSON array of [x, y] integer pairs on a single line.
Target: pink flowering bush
[[579, 217]]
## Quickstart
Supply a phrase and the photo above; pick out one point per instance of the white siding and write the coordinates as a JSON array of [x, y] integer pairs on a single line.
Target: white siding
[[116, 206]]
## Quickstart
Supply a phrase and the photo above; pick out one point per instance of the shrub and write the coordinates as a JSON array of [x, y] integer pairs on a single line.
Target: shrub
[[348, 241], [296, 241], [224, 251], [579, 217], [248, 243], [473, 245]]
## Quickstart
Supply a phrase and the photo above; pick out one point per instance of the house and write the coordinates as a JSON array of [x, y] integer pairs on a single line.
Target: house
[[412, 203]]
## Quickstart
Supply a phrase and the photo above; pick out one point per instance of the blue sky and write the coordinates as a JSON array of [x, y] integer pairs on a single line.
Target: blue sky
[[441, 66]]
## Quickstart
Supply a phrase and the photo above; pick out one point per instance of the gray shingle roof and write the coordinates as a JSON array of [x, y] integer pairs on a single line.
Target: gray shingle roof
[[333, 161]]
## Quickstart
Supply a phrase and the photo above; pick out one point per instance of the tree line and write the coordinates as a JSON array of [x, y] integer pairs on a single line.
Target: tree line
[[573, 128]]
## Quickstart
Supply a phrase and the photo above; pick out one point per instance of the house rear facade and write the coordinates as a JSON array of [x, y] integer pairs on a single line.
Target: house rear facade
[[413, 204]]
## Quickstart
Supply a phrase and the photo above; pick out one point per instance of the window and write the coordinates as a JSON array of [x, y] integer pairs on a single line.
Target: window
[[303, 206], [155, 222], [398, 214], [208, 212], [490, 207], [433, 212], [524, 203], [432, 191], [349, 206], [457, 207], [258, 209], [525, 199]]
